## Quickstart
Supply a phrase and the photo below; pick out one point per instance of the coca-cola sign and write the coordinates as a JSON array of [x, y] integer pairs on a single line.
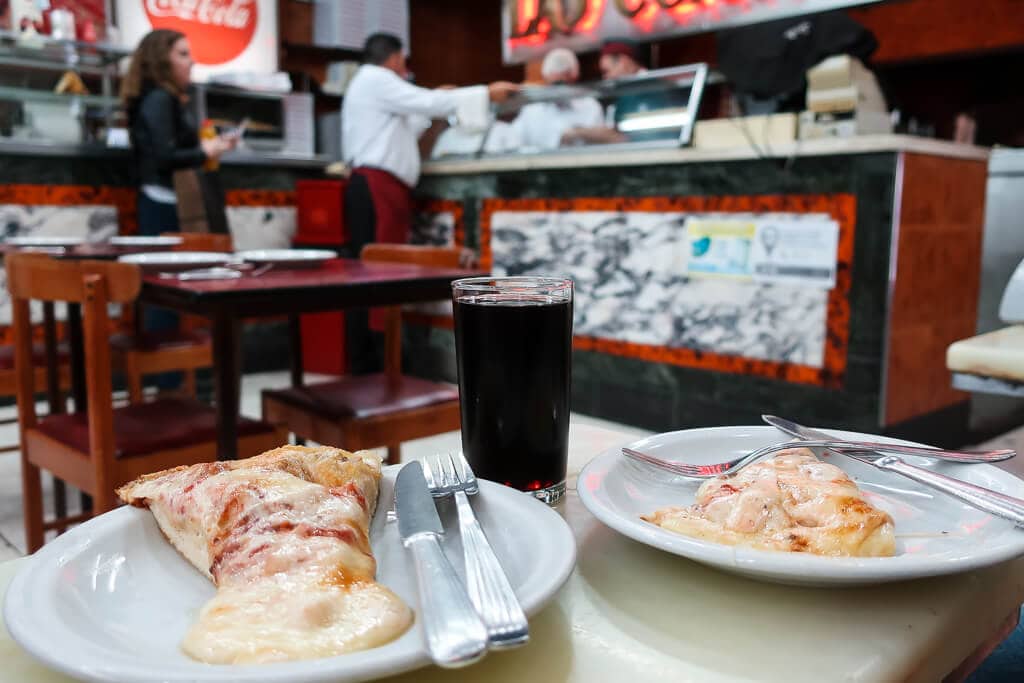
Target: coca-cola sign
[[218, 30]]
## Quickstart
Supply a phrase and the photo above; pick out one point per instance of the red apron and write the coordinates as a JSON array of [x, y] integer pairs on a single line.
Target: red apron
[[392, 207], [392, 204]]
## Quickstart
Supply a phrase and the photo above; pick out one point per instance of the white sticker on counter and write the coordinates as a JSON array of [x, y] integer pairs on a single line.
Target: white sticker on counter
[[780, 249]]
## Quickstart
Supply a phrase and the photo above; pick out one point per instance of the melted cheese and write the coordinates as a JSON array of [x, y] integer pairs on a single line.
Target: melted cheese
[[284, 536], [792, 502]]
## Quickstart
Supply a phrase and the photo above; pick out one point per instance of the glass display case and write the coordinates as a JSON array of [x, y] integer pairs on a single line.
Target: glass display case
[[57, 92], [653, 108]]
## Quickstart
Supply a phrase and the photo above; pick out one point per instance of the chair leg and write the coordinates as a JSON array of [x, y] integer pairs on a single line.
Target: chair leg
[[394, 454], [188, 383], [32, 504], [133, 378]]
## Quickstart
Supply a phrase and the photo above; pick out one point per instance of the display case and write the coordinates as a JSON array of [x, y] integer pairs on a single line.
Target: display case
[[652, 108], [57, 92]]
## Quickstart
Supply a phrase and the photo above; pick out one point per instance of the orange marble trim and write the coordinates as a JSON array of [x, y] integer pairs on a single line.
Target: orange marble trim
[[446, 206], [790, 372], [841, 207], [123, 198]]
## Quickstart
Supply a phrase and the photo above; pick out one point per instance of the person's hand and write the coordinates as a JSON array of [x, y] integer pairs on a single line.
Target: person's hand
[[499, 91], [213, 148]]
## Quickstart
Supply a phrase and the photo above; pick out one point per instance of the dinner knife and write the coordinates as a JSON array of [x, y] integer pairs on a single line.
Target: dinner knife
[[987, 500], [455, 634]]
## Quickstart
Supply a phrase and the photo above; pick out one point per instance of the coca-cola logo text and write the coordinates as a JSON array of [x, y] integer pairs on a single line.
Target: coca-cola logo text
[[218, 30]]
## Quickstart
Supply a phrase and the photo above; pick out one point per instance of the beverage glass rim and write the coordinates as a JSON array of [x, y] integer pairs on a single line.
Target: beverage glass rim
[[493, 284]]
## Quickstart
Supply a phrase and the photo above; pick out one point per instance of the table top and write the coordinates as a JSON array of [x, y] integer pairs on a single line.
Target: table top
[[632, 612], [999, 353], [336, 284]]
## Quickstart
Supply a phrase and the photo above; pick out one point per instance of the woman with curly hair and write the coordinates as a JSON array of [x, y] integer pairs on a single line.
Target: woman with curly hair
[[163, 129]]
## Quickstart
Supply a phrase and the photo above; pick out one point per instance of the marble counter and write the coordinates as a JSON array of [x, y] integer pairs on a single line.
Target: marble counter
[[662, 350], [639, 155]]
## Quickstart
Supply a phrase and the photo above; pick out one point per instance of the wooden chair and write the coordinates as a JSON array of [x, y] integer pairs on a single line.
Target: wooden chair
[[104, 447], [186, 349], [383, 409], [40, 378]]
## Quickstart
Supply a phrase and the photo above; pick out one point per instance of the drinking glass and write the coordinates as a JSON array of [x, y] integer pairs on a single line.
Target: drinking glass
[[513, 341]]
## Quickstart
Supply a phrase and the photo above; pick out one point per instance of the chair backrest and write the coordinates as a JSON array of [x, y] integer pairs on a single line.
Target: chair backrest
[[202, 241], [93, 285], [420, 255]]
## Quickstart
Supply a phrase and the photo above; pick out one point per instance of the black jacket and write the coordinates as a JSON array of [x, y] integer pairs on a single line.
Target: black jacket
[[164, 136]]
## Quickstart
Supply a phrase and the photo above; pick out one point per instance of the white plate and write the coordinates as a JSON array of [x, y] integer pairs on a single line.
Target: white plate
[[177, 260], [111, 600], [293, 258], [935, 534], [45, 241], [145, 241]]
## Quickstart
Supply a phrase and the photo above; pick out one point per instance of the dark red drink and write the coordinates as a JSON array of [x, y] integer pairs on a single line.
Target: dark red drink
[[513, 339]]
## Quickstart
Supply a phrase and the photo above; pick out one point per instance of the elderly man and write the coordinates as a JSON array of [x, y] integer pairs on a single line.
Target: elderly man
[[547, 125]]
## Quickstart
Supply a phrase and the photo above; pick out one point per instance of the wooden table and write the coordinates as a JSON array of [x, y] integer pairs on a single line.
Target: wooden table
[[630, 612], [339, 284]]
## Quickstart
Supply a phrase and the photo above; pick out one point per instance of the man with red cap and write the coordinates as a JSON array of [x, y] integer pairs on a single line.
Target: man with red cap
[[620, 58]]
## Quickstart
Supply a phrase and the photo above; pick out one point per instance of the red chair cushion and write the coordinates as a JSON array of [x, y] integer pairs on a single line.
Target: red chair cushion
[[38, 355], [144, 428], [365, 396], [158, 341]]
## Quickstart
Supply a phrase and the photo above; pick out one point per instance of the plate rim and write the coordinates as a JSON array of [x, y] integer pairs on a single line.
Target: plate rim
[[300, 255], [802, 568], [34, 642]]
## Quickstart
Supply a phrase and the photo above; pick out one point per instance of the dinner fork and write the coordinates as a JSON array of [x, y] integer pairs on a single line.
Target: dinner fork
[[488, 587], [863, 449]]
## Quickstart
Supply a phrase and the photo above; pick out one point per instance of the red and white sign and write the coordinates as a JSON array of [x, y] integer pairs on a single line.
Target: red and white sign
[[532, 27], [225, 35]]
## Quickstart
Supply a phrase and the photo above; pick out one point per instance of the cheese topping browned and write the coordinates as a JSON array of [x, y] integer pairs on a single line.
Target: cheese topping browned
[[792, 502], [284, 536]]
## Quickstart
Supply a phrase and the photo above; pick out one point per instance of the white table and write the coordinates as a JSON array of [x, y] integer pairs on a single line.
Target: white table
[[630, 612]]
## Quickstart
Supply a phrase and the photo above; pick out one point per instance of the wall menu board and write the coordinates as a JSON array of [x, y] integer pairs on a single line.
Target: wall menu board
[[225, 35], [347, 23], [532, 27]]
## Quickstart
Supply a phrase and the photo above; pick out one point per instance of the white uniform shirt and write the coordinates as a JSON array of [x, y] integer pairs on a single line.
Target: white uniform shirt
[[383, 116], [501, 138], [540, 125]]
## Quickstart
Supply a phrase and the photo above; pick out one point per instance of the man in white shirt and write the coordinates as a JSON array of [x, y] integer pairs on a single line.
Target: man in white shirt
[[382, 118], [548, 125]]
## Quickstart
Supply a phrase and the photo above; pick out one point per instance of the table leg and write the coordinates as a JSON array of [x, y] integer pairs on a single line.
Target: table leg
[[78, 388], [295, 342], [226, 374], [54, 399]]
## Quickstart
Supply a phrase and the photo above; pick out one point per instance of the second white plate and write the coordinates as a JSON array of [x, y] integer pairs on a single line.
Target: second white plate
[[935, 534], [170, 261], [292, 258], [110, 600]]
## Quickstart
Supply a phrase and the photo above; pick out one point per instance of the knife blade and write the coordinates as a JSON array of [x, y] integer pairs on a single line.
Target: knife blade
[[808, 434], [455, 634], [987, 500]]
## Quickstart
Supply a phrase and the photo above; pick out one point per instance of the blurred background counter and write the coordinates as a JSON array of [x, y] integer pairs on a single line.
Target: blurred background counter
[[824, 278]]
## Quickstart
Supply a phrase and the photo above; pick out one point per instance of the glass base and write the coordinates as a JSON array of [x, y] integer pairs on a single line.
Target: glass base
[[551, 494]]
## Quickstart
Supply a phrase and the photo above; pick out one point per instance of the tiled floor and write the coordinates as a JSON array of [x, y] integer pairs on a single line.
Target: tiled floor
[[12, 535]]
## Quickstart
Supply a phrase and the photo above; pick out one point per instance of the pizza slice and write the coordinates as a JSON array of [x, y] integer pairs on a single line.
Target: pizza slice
[[285, 538], [792, 502]]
